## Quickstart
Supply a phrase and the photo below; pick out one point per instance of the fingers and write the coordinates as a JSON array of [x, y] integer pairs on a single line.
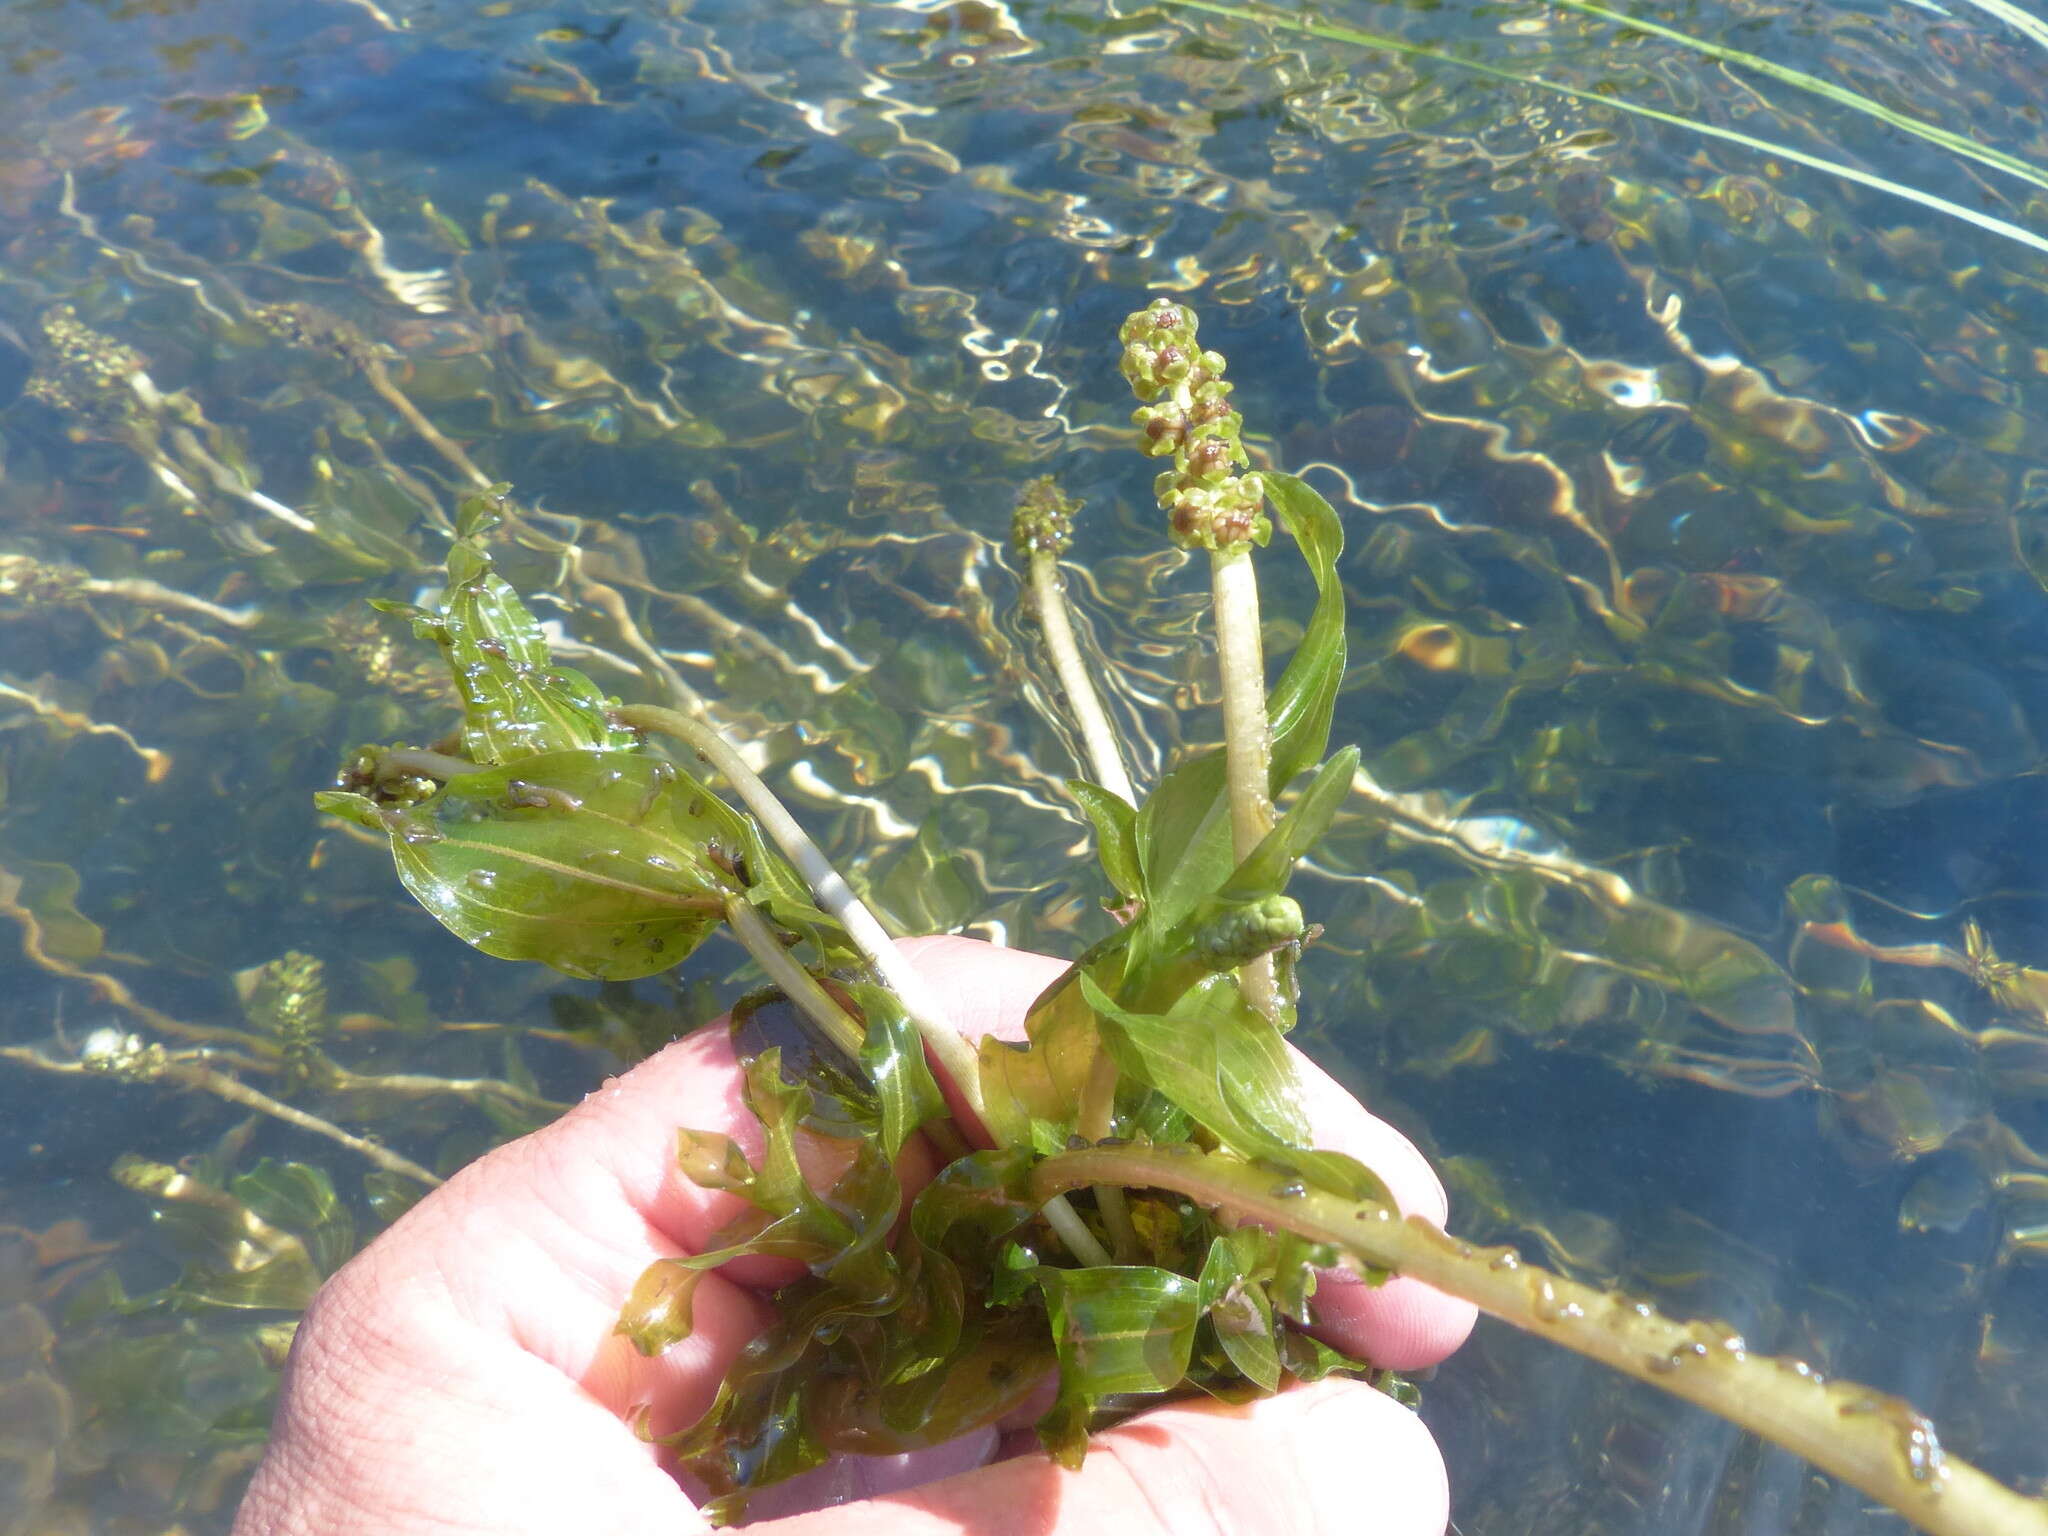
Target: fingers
[[485, 1316], [1335, 1457], [1403, 1324]]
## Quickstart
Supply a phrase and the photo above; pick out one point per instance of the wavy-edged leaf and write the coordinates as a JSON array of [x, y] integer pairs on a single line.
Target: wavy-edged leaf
[[596, 863], [1226, 1066], [1302, 702], [893, 1055], [990, 1375], [1116, 835], [1115, 1328], [1232, 1298], [516, 703], [1033, 1091], [1266, 868], [659, 1309], [300, 1198], [775, 887]]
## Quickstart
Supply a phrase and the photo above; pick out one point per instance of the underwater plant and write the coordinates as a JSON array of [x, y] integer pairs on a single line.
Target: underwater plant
[[1133, 1204]]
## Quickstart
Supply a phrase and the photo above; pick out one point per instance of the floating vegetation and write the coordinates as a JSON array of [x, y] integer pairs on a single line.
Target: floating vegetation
[[1693, 565]]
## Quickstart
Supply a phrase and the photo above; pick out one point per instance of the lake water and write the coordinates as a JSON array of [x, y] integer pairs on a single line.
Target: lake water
[[1696, 501]]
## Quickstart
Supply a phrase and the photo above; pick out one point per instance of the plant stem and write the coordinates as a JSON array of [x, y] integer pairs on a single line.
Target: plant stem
[[131, 1059], [1098, 737], [834, 895], [956, 1058], [1865, 1437], [1073, 1231], [797, 984], [1247, 737], [401, 762], [1040, 531], [1095, 1119]]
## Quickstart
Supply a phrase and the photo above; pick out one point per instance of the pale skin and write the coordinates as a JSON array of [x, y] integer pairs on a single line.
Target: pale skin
[[460, 1376]]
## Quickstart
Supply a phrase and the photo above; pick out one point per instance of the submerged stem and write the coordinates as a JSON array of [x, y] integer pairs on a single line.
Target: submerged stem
[[797, 984], [834, 895], [955, 1057], [1868, 1438], [1098, 737]]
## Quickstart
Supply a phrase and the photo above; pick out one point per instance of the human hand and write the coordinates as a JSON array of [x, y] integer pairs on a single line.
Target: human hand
[[461, 1375]]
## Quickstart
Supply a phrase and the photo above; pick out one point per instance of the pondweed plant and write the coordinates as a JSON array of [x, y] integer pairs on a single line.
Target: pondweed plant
[[1135, 1204]]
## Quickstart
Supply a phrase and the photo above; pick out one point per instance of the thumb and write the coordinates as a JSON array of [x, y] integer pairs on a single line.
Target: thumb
[[1333, 1457]]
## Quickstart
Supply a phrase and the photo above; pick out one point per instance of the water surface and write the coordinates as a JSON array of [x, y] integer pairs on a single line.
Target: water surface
[[1696, 522]]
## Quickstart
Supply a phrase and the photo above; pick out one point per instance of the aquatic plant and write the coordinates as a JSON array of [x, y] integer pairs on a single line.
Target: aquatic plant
[[1538, 80], [1135, 1203]]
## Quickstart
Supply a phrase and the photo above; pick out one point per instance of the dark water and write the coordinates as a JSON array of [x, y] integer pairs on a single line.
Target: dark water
[[1697, 533]]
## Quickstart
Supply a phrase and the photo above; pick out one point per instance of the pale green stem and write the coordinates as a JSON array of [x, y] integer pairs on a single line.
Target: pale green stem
[[1096, 1119], [797, 984], [1105, 762], [956, 1058], [1247, 737], [835, 896], [1073, 1231], [1098, 738], [1863, 1436]]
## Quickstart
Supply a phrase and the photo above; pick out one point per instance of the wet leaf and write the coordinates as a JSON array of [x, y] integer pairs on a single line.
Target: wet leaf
[[657, 1313], [596, 863], [1116, 1328], [1217, 1059], [44, 897], [1234, 1301], [300, 1198], [1266, 868], [515, 702], [1183, 839], [1039, 1085], [1116, 835], [1301, 704], [894, 1058]]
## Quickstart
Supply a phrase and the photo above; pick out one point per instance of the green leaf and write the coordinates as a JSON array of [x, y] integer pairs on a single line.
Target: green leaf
[[1266, 868], [1179, 1053], [657, 1313], [1229, 1068], [893, 1055], [516, 703], [1120, 1328], [300, 1198], [1183, 840], [1115, 1328], [994, 1373], [1302, 702], [1234, 1301], [1116, 835], [1038, 1087], [596, 863], [776, 888], [1310, 1359], [712, 1161]]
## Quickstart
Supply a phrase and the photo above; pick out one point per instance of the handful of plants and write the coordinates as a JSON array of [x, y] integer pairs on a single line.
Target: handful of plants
[[1132, 1203]]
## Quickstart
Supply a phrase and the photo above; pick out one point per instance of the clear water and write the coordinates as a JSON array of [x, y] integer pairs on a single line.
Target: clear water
[[1696, 520]]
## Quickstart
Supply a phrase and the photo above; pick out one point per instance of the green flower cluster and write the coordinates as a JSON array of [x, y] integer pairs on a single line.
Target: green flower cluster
[[1188, 415], [1044, 520]]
